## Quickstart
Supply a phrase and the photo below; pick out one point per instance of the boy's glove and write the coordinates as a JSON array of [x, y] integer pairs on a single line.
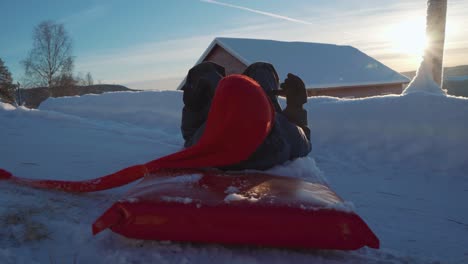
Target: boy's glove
[[295, 91], [296, 96]]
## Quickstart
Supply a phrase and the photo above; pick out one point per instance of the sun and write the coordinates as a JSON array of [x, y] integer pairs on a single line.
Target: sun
[[408, 36]]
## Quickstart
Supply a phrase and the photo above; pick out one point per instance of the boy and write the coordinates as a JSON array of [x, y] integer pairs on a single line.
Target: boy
[[289, 137]]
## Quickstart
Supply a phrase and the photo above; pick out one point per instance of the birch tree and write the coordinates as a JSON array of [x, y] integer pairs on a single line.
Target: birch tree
[[50, 58]]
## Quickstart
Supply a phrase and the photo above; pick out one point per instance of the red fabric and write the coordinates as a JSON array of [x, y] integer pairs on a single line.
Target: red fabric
[[5, 175], [116, 179], [273, 211], [240, 118]]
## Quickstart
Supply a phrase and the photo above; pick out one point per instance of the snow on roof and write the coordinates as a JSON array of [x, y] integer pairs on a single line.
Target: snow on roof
[[319, 65]]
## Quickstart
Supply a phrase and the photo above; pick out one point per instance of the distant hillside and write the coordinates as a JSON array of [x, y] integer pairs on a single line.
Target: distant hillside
[[455, 79], [456, 71], [33, 97], [461, 70]]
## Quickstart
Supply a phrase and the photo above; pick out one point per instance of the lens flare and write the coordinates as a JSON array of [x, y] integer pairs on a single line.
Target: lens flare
[[408, 36]]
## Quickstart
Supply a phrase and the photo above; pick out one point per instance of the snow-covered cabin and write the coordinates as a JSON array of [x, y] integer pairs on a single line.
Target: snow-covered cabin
[[327, 69]]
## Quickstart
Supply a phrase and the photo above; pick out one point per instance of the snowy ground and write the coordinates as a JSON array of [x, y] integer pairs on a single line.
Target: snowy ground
[[401, 160]]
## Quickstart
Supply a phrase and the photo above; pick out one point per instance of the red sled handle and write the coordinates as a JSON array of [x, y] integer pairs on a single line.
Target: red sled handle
[[106, 182], [110, 181], [5, 175]]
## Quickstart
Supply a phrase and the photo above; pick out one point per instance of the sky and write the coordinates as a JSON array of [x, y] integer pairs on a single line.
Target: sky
[[151, 44]]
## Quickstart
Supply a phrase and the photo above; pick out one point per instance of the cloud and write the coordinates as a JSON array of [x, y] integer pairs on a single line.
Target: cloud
[[162, 64], [84, 16], [147, 61], [258, 12]]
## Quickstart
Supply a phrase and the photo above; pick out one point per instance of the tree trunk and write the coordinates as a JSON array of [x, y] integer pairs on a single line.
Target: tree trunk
[[435, 33]]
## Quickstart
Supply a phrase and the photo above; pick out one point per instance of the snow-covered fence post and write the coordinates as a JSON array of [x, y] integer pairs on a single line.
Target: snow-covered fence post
[[435, 33]]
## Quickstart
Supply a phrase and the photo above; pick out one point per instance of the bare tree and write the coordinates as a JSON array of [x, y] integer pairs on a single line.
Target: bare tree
[[80, 80], [89, 79], [50, 57], [435, 32]]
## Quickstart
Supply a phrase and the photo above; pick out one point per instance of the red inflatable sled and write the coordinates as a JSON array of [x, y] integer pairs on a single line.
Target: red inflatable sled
[[212, 207], [253, 209]]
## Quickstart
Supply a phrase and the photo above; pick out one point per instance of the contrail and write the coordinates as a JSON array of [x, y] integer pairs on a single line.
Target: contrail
[[258, 12]]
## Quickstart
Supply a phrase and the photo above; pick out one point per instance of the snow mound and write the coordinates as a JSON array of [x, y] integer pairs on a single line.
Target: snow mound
[[146, 109], [423, 82], [401, 160], [5, 106]]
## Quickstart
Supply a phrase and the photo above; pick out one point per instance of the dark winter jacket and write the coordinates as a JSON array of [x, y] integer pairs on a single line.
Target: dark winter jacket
[[286, 141], [289, 137]]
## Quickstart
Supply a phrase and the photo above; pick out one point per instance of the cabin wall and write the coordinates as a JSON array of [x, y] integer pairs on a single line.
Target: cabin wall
[[357, 91], [225, 59]]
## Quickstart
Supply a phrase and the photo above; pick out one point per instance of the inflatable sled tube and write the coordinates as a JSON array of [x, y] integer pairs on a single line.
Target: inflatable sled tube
[[248, 209]]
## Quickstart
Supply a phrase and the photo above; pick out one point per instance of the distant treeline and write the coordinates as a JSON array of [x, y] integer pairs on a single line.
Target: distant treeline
[[33, 97]]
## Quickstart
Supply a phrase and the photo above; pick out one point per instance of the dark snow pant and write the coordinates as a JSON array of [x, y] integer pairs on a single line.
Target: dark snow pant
[[289, 137]]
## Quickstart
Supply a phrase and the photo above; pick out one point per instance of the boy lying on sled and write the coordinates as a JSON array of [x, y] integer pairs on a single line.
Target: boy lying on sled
[[289, 137]]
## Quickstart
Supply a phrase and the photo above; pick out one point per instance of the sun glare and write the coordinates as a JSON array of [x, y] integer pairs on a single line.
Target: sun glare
[[408, 36]]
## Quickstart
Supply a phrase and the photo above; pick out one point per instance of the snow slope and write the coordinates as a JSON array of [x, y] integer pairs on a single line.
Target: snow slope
[[401, 160]]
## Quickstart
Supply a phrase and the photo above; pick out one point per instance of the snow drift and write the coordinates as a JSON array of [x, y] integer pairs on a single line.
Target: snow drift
[[400, 159]]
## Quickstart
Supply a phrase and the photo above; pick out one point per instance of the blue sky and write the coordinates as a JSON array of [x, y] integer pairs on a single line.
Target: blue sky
[[151, 44]]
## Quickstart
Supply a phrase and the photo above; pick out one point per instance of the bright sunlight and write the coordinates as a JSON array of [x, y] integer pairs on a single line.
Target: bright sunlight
[[408, 36]]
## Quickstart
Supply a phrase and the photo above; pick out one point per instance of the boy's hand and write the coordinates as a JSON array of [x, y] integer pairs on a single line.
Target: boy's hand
[[295, 91]]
